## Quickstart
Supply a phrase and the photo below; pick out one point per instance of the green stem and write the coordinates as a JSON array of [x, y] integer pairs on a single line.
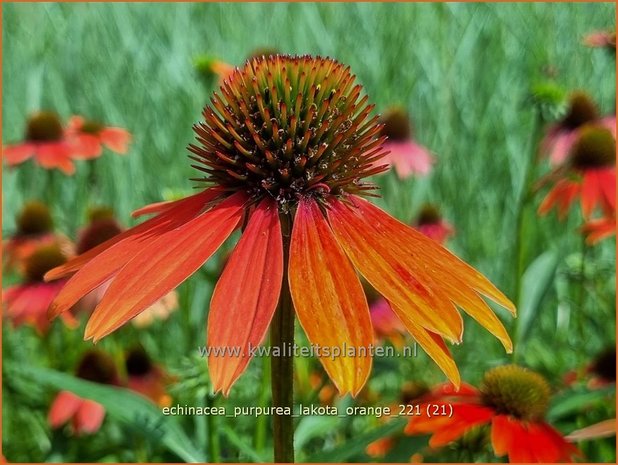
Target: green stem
[[581, 297], [522, 203], [282, 367], [260, 427], [214, 449]]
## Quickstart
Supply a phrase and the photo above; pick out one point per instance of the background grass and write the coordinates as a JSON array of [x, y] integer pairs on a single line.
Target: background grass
[[463, 71]]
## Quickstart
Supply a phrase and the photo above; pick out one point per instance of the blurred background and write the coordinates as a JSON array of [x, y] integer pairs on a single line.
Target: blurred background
[[480, 83]]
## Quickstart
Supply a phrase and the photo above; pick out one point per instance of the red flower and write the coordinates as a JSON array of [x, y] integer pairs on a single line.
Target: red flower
[[46, 141], [85, 416], [91, 136], [27, 303], [287, 148], [404, 154], [589, 174], [512, 400], [561, 137]]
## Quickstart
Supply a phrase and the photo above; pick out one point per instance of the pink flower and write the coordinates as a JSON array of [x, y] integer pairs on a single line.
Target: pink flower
[[91, 136], [385, 323], [601, 39], [561, 136], [46, 141], [406, 156], [431, 224]]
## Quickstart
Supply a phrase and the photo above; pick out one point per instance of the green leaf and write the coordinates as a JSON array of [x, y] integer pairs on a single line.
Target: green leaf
[[537, 280], [124, 406], [577, 400], [357, 445], [242, 446], [310, 427]]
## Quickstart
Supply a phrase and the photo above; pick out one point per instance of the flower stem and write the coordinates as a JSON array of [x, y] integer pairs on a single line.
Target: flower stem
[[214, 449], [282, 367], [522, 203]]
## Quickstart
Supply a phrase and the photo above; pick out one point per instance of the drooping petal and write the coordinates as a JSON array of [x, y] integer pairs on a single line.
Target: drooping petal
[[406, 239], [328, 298], [590, 193], [501, 437], [89, 417], [465, 417], [562, 196], [603, 429], [116, 139], [607, 182], [157, 207], [63, 408], [17, 154], [599, 229], [163, 264], [101, 263], [246, 295], [434, 345]]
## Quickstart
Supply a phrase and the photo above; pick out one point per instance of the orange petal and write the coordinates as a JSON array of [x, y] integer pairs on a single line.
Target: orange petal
[[603, 429], [163, 264], [247, 294], [367, 235], [109, 257], [435, 348], [116, 139], [329, 299], [157, 207], [63, 408], [187, 208]]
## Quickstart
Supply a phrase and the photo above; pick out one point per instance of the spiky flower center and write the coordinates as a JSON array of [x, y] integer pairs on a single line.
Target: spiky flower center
[[43, 259], [34, 218], [96, 233], [581, 110], [517, 391], [429, 214], [287, 126], [91, 127], [137, 362], [98, 367], [397, 126], [594, 148], [44, 126]]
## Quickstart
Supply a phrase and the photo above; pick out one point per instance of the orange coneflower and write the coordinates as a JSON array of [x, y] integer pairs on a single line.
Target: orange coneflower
[[581, 112], [284, 152], [90, 137], [27, 303], [589, 173], [430, 222], [406, 156], [34, 227], [47, 142], [513, 400], [147, 378], [209, 66], [86, 416]]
